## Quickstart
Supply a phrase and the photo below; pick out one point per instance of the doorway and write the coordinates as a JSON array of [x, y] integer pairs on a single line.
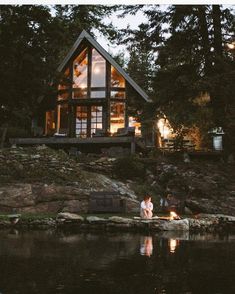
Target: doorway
[[88, 120]]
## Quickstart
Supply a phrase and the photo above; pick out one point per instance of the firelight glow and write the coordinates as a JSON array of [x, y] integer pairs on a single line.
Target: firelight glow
[[173, 215]]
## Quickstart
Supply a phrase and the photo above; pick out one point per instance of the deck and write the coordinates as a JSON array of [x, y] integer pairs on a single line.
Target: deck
[[67, 142]]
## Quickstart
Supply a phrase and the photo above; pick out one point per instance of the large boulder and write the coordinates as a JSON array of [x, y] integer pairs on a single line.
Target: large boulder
[[118, 219], [69, 216], [95, 219], [16, 196], [174, 225]]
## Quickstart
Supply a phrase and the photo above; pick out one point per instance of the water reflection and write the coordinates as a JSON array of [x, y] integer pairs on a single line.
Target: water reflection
[[111, 263], [173, 243], [146, 245]]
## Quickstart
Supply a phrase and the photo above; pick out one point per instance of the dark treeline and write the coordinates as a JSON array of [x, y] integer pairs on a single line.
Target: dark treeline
[[179, 56], [33, 41]]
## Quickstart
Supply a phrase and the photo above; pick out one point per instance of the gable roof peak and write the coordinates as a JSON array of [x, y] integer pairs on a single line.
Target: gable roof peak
[[107, 56]]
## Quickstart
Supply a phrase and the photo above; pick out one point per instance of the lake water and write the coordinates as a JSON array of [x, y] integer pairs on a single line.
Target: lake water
[[123, 263]]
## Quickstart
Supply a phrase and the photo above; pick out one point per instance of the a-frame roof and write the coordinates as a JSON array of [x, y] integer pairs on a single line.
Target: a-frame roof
[[104, 53]]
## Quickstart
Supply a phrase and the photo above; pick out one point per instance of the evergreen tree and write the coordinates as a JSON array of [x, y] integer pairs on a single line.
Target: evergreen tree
[[34, 39], [192, 64]]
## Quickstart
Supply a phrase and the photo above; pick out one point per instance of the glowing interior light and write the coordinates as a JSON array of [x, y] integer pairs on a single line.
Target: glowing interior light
[[164, 128], [231, 46], [96, 70], [134, 123]]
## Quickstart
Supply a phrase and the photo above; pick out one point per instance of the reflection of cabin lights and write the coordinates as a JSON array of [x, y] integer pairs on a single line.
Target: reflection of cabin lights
[[82, 86]]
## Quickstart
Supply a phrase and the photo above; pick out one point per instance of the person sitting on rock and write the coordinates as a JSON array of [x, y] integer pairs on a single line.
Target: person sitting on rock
[[164, 204], [146, 208]]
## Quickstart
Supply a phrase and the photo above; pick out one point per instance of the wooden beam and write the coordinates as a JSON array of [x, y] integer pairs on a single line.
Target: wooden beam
[[108, 94], [133, 145], [67, 140], [126, 110], [71, 118], [89, 71]]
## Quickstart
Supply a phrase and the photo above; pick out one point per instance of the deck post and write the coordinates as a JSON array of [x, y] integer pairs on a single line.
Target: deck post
[[133, 146], [4, 133]]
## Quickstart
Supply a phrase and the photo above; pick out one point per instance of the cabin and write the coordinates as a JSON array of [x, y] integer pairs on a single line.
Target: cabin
[[97, 103], [92, 99]]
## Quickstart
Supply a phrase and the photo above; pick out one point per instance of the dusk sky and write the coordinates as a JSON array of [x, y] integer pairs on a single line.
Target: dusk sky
[[120, 23]]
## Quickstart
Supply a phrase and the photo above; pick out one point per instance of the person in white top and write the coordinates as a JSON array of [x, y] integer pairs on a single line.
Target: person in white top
[[146, 208]]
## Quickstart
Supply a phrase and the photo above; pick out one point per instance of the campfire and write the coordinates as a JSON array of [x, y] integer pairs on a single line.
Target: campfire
[[173, 216]]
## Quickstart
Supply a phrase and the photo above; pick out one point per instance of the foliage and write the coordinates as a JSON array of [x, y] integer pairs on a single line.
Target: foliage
[[34, 39], [16, 132], [128, 168], [191, 59]]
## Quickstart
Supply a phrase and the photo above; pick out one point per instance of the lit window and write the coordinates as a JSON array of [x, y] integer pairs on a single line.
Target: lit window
[[97, 94], [98, 70], [118, 95], [62, 119], [81, 121], [117, 79], [80, 70], [63, 87], [96, 118], [134, 123], [117, 116]]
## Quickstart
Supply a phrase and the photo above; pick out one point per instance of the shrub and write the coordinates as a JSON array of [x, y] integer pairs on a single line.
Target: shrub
[[129, 167], [17, 132]]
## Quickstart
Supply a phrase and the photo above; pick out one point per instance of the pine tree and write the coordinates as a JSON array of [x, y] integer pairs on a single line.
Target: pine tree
[[34, 40]]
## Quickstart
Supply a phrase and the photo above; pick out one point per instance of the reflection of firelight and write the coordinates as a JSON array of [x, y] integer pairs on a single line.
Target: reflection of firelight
[[173, 244]]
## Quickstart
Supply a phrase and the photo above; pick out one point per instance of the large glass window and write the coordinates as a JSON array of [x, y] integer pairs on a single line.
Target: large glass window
[[97, 70], [117, 79], [96, 118], [97, 94], [133, 122], [118, 95], [117, 116], [62, 119], [63, 88], [80, 65], [79, 93], [81, 121]]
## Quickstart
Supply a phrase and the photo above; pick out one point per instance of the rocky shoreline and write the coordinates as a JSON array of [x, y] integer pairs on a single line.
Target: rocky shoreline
[[202, 223]]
